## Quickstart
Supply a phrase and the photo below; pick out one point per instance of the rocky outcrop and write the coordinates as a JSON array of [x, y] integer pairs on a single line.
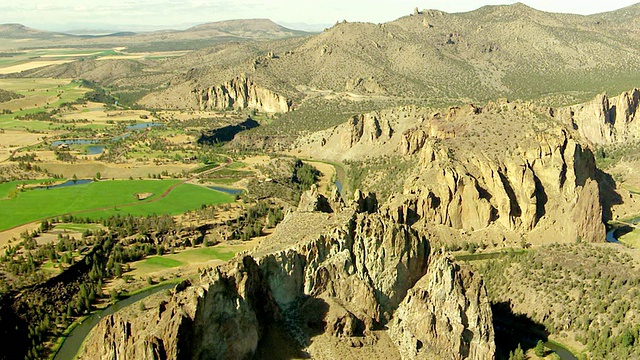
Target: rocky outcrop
[[605, 120], [343, 274], [471, 191], [378, 133], [446, 315], [313, 201], [367, 128], [241, 93]]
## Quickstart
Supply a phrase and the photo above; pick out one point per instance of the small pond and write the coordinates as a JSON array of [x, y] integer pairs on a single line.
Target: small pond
[[95, 149], [225, 190], [141, 126], [66, 184]]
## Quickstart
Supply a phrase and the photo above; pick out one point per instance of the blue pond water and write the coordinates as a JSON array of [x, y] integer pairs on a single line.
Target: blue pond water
[[229, 191], [143, 126], [67, 184], [95, 149]]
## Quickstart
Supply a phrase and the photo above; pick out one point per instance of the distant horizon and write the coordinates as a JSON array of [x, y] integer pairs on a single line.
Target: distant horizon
[[153, 15]]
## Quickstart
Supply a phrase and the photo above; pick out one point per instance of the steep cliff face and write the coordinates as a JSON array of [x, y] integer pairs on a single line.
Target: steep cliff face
[[237, 94], [343, 274], [471, 191], [241, 93], [445, 316], [605, 120], [509, 164]]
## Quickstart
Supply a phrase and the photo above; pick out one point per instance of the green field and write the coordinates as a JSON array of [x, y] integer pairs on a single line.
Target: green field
[[107, 198], [39, 91], [7, 188], [191, 256]]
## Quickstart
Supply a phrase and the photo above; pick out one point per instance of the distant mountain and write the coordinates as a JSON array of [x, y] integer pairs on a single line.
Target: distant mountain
[[511, 51], [18, 31], [196, 37], [254, 28]]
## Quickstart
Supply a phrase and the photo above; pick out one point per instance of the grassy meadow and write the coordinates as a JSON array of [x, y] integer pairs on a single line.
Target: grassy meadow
[[105, 198]]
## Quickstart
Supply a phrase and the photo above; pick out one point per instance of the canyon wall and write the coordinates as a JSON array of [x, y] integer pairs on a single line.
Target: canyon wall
[[241, 93], [605, 120], [343, 274]]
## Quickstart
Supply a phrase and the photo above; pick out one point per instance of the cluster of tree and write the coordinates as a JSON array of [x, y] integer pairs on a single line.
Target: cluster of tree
[[304, 175], [97, 94], [26, 158], [254, 220], [128, 225], [50, 308], [65, 156], [39, 116], [583, 291]]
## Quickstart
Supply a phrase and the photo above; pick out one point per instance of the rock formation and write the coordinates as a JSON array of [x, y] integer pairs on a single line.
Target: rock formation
[[344, 274], [444, 316], [241, 93], [472, 191], [605, 120], [473, 170]]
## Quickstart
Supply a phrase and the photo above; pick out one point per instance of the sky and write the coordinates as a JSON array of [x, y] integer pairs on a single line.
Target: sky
[[139, 15]]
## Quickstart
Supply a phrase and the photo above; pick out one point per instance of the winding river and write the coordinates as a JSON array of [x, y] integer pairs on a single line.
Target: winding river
[[73, 342], [564, 353]]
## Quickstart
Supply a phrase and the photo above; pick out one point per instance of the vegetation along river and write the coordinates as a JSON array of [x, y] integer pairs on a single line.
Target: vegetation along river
[[72, 343]]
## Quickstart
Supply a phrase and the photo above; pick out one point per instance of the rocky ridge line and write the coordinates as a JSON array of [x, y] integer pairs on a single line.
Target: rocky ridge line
[[343, 274]]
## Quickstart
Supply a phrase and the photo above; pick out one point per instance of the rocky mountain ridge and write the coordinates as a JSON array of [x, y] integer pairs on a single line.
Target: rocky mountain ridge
[[474, 171], [512, 51], [433, 54], [345, 276], [237, 94]]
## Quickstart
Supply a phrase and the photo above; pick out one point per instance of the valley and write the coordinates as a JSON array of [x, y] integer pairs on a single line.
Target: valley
[[443, 185]]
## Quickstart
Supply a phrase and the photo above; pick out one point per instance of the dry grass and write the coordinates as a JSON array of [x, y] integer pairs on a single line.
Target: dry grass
[[88, 169], [31, 65], [6, 236], [96, 113], [12, 139]]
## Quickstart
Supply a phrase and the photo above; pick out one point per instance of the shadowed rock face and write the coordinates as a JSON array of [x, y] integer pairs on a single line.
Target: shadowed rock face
[[344, 273], [472, 191]]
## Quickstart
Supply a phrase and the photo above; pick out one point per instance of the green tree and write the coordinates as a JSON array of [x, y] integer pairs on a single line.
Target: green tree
[[517, 354], [539, 349]]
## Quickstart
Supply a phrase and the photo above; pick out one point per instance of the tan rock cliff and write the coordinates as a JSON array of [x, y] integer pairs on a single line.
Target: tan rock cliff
[[605, 120], [241, 93], [343, 274], [445, 316]]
